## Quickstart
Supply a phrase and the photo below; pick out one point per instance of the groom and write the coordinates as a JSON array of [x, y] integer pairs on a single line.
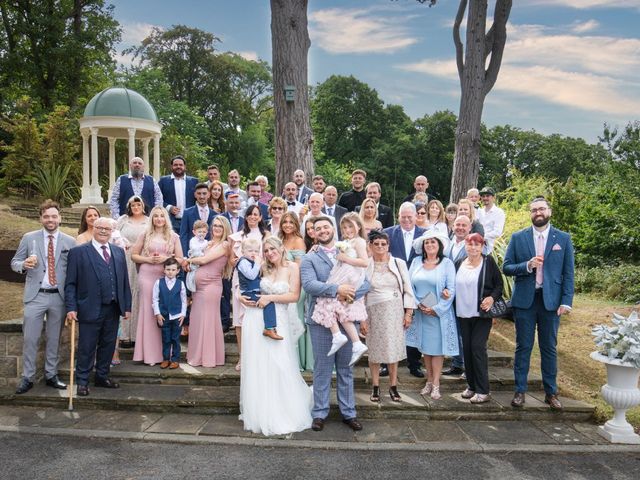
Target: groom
[[314, 272]]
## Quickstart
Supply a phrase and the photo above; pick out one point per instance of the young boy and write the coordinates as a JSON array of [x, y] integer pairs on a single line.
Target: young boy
[[196, 249], [170, 308], [249, 278]]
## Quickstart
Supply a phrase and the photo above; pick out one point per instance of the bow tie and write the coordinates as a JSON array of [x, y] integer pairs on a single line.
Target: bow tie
[[291, 203], [329, 251]]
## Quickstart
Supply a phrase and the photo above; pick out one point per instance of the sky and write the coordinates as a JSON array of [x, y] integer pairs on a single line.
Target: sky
[[569, 66]]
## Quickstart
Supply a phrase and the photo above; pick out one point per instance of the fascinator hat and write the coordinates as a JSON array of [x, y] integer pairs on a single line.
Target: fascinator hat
[[431, 233]]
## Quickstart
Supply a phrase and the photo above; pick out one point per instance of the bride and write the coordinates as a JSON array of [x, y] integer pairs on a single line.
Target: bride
[[274, 398]]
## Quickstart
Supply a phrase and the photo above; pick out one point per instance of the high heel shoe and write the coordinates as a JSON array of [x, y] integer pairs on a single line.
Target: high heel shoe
[[435, 393], [427, 389], [393, 393], [375, 394]]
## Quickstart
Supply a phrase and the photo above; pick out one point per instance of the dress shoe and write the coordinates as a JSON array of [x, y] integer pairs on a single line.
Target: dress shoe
[[453, 371], [55, 383], [24, 386], [106, 383], [271, 333], [352, 423], [164, 364], [553, 401], [384, 372], [83, 390], [317, 425], [518, 400], [173, 365], [418, 373]]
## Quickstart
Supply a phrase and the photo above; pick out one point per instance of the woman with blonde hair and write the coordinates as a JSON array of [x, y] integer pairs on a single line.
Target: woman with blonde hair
[[277, 208], [206, 339], [435, 217], [152, 248], [368, 214]]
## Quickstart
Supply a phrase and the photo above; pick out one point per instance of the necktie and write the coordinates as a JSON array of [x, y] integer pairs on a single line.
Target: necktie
[[540, 253], [105, 253], [203, 215], [407, 244], [51, 263], [330, 211]]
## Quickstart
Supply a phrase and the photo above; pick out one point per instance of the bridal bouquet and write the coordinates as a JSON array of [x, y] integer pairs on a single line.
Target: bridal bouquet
[[620, 341]]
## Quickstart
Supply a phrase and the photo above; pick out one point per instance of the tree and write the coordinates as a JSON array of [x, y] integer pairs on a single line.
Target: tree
[[57, 51], [623, 146], [290, 45]]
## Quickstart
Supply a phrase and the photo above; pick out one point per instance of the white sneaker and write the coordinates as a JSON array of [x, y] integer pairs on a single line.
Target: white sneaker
[[337, 343], [356, 352]]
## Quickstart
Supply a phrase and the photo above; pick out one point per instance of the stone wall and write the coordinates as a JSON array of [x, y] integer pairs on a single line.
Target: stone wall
[[11, 352]]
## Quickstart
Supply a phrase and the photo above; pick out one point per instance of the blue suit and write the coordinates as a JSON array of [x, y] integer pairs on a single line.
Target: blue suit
[[240, 221], [100, 294], [538, 307], [168, 189], [396, 243], [314, 272], [189, 217], [396, 248]]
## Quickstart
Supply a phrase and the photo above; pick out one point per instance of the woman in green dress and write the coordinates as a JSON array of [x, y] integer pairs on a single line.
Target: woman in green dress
[[295, 247]]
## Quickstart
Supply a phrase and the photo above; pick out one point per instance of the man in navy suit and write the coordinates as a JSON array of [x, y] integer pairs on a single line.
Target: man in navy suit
[[331, 208], [401, 239], [97, 293], [304, 192], [385, 215], [254, 191], [541, 260], [177, 191], [199, 211]]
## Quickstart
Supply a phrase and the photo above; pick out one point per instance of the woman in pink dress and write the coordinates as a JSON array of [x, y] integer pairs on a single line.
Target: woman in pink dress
[[152, 248], [206, 339]]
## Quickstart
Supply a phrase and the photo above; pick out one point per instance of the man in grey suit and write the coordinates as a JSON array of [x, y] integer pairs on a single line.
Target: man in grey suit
[[314, 272], [331, 208], [42, 255]]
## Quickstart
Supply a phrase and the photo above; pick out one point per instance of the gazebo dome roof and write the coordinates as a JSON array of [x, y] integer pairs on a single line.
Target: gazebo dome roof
[[120, 102]]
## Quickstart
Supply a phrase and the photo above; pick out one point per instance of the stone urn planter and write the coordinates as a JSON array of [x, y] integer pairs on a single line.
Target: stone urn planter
[[621, 392]]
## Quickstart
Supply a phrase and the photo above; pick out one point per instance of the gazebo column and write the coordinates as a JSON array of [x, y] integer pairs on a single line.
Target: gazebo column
[[96, 194], [145, 154], [156, 156], [112, 164], [86, 189], [132, 145]]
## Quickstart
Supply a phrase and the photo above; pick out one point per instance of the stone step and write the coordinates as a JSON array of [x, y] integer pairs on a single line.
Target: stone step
[[501, 378], [224, 400], [497, 359]]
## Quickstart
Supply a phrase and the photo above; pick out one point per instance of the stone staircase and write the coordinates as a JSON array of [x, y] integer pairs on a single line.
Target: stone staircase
[[198, 390]]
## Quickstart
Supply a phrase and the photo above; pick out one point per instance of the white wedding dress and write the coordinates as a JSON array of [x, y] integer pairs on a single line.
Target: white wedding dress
[[274, 398]]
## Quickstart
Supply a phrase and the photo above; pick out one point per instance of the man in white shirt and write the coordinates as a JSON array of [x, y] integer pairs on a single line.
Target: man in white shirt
[[290, 196], [299, 178], [213, 174], [316, 204], [491, 217], [177, 191], [233, 178]]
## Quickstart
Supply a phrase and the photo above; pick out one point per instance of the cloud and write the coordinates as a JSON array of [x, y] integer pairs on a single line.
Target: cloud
[[133, 33], [249, 55], [583, 27], [340, 31], [594, 73], [124, 59], [588, 4]]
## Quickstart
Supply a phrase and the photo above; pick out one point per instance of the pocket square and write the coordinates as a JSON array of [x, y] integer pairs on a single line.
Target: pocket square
[[556, 247], [64, 251]]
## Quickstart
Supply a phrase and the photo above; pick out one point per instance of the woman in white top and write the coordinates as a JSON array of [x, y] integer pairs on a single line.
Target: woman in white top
[[435, 217], [478, 285]]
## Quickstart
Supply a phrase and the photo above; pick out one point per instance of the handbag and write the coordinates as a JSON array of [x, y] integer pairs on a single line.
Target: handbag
[[500, 307]]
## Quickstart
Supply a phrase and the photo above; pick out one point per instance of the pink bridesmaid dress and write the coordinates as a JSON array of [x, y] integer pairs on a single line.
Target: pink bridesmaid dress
[[206, 339]]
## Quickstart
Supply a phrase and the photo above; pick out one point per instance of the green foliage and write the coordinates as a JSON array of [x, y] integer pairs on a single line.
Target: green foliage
[[620, 282], [623, 146], [336, 174], [523, 189], [52, 181]]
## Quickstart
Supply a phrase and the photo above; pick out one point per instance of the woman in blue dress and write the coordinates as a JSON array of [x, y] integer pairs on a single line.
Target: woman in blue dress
[[433, 330]]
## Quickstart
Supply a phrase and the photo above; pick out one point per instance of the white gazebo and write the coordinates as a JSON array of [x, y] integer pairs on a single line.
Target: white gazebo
[[116, 113]]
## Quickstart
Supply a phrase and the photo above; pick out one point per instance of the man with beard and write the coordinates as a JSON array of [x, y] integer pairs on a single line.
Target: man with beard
[[541, 259], [314, 273], [233, 177], [354, 197], [299, 178], [492, 218], [420, 185], [177, 191], [134, 183], [318, 183]]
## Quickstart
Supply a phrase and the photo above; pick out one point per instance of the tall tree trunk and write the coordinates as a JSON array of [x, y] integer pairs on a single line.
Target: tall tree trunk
[[475, 83], [290, 44]]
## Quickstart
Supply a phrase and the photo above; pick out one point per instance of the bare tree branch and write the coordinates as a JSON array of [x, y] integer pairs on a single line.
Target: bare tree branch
[[488, 41], [456, 37], [500, 18]]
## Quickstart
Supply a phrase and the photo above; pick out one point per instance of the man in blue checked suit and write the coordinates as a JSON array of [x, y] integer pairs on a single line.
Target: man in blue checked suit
[[199, 211], [314, 272], [401, 239], [541, 260], [177, 191]]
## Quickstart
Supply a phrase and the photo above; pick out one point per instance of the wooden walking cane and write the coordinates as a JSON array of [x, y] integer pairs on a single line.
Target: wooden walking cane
[[72, 368]]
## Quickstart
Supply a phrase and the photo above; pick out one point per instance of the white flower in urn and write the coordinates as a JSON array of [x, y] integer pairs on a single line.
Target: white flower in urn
[[620, 341]]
